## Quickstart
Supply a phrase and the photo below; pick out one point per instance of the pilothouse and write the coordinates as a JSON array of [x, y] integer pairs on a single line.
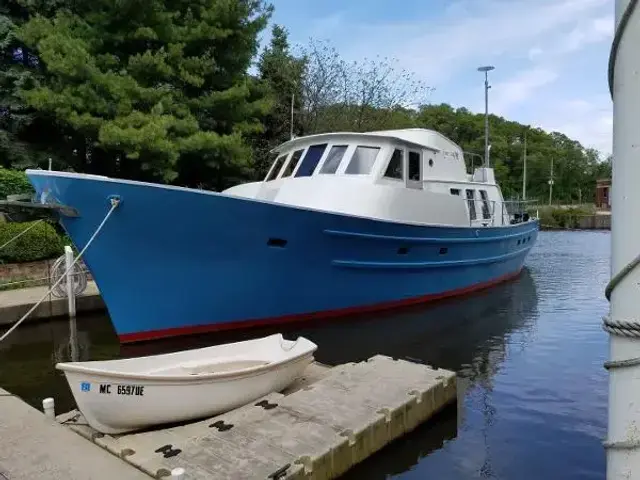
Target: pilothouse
[[411, 175]]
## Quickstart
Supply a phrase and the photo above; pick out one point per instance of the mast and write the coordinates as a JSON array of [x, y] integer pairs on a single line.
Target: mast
[[524, 169], [623, 323]]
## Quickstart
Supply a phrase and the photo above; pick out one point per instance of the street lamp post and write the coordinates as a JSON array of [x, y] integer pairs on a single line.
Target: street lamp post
[[486, 69]]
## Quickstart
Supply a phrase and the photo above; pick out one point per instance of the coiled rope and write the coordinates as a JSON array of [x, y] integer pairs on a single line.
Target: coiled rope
[[114, 204], [78, 274]]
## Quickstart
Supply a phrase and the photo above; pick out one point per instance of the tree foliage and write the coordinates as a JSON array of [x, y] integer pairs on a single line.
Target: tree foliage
[[281, 73], [155, 89], [356, 96]]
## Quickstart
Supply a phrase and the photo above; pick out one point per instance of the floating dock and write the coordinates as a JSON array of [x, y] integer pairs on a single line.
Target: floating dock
[[327, 422]]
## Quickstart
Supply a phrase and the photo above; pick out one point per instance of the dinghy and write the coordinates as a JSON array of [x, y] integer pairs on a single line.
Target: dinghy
[[118, 396]]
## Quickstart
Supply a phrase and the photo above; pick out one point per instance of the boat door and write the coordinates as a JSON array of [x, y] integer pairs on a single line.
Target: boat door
[[414, 169]]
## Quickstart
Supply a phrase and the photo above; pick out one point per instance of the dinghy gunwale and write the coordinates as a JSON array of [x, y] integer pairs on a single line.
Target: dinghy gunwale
[[173, 380], [78, 368]]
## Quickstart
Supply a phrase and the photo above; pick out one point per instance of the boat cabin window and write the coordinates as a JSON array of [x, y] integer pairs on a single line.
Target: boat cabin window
[[293, 162], [395, 167], [334, 158], [454, 191], [471, 201], [486, 213], [310, 160], [362, 160], [275, 168], [415, 166]]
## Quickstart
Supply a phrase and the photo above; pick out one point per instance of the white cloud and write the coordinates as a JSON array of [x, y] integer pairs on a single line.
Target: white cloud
[[520, 87], [469, 33], [531, 42], [588, 120]]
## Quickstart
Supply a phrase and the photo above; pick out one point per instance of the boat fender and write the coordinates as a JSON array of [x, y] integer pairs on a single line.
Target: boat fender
[[168, 451], [221, 426], [477, 233], [281, 472]]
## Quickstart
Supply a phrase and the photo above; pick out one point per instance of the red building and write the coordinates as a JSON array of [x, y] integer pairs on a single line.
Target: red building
[[603, 193]]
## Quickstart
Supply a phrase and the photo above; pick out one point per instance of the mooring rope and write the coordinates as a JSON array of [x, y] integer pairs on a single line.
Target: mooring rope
[[20, 234], [114, 204], [622, 328]]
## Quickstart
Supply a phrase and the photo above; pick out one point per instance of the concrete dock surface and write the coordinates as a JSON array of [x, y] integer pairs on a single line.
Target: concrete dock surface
[[327, 422], [15, 303], [33, 447]]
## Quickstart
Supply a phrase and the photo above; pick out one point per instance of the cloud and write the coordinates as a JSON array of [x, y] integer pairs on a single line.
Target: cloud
[[588, 120], [469, 33], [541, 49], [520, 88]]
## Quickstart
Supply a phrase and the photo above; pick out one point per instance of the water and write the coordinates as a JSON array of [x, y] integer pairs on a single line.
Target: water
[[529, 354]]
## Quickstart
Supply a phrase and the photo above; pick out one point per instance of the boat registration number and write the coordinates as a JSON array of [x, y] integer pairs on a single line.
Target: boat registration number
[[137, 390]]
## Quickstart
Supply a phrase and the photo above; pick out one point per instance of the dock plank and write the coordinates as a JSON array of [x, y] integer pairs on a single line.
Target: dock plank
[[328, 421]]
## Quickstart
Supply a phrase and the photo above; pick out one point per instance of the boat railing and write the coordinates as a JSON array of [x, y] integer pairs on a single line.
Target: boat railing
[[503, 212]]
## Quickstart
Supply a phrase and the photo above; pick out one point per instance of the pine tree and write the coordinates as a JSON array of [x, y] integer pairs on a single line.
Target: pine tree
[[157, 89], [281, 73], [26, 139]]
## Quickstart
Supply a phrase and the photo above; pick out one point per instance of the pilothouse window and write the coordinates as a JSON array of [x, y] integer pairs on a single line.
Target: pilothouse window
[[362, 160], [291, 166], [334, 158], [310, 160], [275, 169], [415, 166], [395, 167], [485, 204], [471, 201]]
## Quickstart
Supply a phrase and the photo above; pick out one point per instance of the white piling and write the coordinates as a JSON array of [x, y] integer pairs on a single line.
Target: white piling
[[49, 408], [177, 473], [623, 324], [71, 297]]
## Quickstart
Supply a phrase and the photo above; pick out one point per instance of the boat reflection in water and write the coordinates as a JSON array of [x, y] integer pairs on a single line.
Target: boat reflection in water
[[468, 335]]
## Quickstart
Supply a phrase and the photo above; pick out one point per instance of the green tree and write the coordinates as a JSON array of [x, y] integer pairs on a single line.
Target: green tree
[[27, 139], [152, 89], [281, 73]]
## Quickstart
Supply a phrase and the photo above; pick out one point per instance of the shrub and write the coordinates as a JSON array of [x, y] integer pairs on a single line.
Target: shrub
[[39, 243], [13, 182]]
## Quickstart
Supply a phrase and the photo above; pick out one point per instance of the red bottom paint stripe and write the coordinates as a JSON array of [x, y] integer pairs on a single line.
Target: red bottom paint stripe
[[326, 314]]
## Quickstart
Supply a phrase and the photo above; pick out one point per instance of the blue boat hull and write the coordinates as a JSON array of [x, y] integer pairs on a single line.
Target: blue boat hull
[[172, 261]]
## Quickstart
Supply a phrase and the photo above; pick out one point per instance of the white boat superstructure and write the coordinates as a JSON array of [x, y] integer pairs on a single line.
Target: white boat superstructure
[[117, 396], [411, 176]]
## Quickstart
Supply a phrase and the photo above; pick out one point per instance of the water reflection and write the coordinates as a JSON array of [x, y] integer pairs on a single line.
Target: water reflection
[[467, 335]]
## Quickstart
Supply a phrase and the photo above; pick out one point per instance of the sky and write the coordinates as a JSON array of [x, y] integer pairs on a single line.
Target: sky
[[550, 56]]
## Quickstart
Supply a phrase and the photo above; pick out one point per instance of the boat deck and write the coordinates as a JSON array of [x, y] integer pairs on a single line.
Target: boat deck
[[324, 424]]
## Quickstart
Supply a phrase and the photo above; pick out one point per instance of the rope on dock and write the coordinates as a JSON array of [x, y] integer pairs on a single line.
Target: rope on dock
[[114, 204], [20, 234]]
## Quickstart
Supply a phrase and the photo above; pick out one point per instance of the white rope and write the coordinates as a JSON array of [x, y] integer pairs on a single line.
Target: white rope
[[114, 204], [20, 234], [79, 278]]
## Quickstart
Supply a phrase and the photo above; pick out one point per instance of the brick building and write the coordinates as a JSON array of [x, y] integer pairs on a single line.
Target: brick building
[[603, 193]]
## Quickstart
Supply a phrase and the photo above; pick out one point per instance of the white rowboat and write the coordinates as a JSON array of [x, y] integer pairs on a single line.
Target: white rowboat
[[117, 396]]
